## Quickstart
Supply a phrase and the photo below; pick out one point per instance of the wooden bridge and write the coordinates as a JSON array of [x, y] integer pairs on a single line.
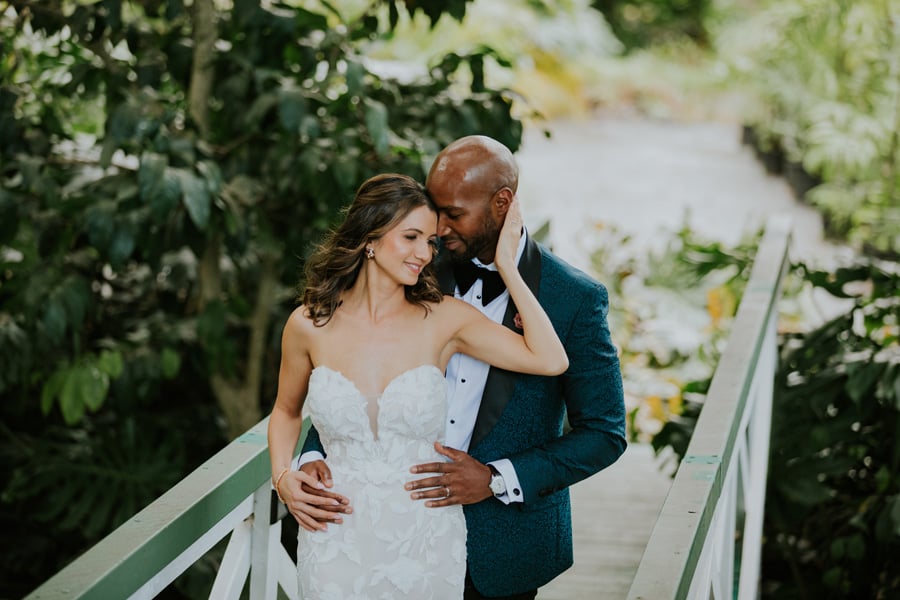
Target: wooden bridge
[[613, 514], [638, 535]]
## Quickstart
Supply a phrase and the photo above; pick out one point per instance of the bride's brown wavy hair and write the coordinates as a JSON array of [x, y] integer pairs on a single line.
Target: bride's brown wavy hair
[[381, 202]]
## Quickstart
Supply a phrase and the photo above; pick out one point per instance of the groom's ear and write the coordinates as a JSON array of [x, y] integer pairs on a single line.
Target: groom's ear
[[500, 202]]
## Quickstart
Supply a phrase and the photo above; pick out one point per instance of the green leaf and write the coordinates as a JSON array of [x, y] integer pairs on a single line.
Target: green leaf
[[100, 224], [111, 363], [838, 548], [54, 320], [856, 547], [212, 175], [71, 402], [356, 73], [377, 124], [170, 363], [291, 109], [346, 171], [862, 377], [51, 390], [110, 145], [310, 127], [393, 14], [165, 195], [93, 386], [196, 198], [122, 245], [150, 174], [476, 64]]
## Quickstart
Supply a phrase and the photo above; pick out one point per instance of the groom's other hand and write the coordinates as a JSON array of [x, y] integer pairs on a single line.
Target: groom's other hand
[[464, 480], [308, 500]]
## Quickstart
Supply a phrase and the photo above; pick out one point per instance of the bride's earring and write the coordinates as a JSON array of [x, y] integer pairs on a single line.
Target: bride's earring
[[370, 252]]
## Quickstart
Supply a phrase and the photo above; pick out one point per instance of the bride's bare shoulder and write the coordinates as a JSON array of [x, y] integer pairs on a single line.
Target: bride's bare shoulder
[[299, 323]]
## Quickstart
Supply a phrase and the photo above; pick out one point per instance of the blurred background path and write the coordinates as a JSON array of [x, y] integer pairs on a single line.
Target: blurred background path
[[648, 177]]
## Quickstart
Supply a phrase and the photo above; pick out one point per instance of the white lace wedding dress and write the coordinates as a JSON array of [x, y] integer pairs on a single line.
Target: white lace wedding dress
[[390, 546]]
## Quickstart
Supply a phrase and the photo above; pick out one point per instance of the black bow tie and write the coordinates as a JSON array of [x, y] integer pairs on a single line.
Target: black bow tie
[[491, 283]]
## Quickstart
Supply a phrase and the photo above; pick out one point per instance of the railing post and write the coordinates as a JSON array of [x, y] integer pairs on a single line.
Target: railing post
[[263, 581], [760, 429]]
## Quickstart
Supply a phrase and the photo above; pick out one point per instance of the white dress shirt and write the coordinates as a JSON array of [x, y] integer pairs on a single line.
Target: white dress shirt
[[466, 378]]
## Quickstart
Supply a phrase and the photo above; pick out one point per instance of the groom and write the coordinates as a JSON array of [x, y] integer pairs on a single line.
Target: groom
[[511, 459]]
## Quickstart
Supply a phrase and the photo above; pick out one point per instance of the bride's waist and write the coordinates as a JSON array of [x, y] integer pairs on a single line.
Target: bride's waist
[[371, 465]]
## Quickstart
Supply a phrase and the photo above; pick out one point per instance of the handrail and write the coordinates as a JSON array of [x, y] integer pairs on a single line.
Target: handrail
[[228, 494], [708, 534]]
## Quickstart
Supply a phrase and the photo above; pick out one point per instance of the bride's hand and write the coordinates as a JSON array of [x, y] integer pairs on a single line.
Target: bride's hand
[[308, 500], [510, 233]]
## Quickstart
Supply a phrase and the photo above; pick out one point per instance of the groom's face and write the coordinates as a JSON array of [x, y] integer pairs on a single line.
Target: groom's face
[[466, 224]]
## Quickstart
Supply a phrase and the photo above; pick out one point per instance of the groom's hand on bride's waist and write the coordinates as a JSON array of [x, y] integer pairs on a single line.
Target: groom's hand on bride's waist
[[464, 480]]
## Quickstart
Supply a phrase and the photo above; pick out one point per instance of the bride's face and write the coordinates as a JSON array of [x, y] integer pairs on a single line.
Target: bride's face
[[405, 250]]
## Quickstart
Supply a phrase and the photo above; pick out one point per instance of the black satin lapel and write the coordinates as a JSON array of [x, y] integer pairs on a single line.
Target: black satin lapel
[[500, 383]]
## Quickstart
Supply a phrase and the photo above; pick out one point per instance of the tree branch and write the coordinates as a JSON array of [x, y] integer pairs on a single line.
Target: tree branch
[[202, 71]]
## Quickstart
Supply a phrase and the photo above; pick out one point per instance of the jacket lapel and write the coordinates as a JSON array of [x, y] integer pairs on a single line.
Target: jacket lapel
[[500, 383]]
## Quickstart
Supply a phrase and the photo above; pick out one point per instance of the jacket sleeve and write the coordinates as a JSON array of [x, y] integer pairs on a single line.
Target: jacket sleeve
[[312, 442], [595, 405]]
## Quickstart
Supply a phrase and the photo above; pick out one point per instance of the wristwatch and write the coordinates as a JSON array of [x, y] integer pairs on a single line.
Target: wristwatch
[[497, 485]]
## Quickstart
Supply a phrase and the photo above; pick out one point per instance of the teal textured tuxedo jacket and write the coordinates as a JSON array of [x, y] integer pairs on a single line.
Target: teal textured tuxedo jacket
[[521, 546]]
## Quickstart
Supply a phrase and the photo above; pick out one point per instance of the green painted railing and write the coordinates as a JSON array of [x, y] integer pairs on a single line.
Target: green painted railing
[[706, 542], [230, 494]]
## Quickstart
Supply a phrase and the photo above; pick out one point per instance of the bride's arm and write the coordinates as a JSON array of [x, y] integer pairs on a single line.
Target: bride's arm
[[285, 425], [286, 420], [539, 350]]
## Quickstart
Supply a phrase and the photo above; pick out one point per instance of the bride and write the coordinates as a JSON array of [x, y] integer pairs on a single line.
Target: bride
[[366, 352]]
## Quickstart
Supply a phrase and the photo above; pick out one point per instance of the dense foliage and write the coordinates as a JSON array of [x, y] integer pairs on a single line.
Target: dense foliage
[[828, 79], [832, 525], [164, 168]]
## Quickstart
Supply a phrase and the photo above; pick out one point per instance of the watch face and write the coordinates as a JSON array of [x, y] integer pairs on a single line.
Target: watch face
[[498, 486]]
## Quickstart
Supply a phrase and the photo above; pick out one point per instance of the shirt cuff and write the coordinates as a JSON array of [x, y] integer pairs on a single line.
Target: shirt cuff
[[306, 457], [507, 471]]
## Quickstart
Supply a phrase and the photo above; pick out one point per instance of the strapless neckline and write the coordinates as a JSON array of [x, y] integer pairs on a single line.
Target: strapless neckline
[[399, 377]]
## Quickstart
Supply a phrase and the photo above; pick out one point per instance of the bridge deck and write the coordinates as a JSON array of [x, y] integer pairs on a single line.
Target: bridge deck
[[613, 515]]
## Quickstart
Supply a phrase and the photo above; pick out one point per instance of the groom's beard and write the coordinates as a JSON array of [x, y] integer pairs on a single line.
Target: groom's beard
[[482, 242]]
